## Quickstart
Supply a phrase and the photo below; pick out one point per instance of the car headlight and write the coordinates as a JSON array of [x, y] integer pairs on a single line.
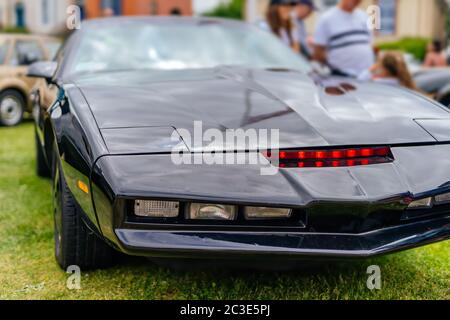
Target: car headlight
[[442, 198], [156, 209], [258, 213], [205, 211], [424, 203]]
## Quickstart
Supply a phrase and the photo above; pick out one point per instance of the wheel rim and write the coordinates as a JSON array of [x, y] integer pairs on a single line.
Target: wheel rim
[[10, 110]]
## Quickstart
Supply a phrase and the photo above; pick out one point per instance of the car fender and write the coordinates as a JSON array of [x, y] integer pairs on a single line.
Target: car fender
[[71, 134]]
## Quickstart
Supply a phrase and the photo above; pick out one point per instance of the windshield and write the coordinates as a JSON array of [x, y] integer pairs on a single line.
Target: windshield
[[169, 47], [52, 47], [4, 45]]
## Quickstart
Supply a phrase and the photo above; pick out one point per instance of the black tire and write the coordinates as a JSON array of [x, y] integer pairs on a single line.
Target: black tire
[[75, 244], [12, 107], [42, 169]]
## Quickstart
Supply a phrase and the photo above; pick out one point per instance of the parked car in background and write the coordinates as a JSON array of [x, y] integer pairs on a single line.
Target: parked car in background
[[436, 83], [17, 52]]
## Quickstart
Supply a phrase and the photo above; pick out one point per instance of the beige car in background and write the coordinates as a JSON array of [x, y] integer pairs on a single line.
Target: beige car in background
[[17, 52]]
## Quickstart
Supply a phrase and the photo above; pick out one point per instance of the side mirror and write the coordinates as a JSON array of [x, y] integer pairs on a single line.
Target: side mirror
[[42, 69], [28, 58]]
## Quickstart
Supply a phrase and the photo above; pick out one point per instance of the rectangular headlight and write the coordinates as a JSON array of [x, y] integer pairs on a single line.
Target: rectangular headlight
[[425, 203], [156, 209], [206, 211], [442, 198], [256, 213]]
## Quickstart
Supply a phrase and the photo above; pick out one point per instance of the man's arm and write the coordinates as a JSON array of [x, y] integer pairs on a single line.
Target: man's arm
[[296, 47], [321, 40], [428, 63], [320, 54]]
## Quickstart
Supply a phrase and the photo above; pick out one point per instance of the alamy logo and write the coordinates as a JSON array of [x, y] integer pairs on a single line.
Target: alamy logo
[[226, 147], [374, 21], [74, 280], [74, 17], [374, 279]]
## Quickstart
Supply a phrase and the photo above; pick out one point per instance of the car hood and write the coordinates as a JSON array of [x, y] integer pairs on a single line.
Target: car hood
[[142, 111]]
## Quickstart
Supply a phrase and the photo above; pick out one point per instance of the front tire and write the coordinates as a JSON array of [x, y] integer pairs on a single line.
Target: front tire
[[12, 107], [75, 244]]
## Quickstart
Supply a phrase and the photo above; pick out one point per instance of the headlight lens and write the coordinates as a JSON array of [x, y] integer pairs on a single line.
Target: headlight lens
[[425, 203], [156, 209], [204, 211], [259, 213], [442, 198]]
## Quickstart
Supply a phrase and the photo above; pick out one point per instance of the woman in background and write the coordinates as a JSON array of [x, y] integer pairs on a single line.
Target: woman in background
[[302, 10], [280, 21], [435, 57], [391, 69]]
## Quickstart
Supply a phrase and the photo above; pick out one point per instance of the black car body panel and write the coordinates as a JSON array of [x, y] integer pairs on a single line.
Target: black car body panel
[[114, 132], [295, 245]]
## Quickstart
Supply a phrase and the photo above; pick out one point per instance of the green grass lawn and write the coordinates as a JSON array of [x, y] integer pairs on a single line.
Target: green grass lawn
[[29, 271]]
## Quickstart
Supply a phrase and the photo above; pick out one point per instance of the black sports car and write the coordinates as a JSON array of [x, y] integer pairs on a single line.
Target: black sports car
[[358, 169]]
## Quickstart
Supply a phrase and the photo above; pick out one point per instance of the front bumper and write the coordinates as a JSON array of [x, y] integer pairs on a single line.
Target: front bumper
[[243, 245]]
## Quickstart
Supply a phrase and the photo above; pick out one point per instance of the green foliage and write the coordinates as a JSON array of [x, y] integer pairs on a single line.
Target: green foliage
[[416, 46], [14, 30], [232, 10]]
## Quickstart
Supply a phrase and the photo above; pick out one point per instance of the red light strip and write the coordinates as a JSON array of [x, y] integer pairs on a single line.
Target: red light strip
[[335, 154], [334, 158]]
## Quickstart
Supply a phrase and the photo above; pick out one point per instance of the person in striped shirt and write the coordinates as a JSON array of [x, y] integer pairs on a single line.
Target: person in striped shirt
[[343, 40]]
